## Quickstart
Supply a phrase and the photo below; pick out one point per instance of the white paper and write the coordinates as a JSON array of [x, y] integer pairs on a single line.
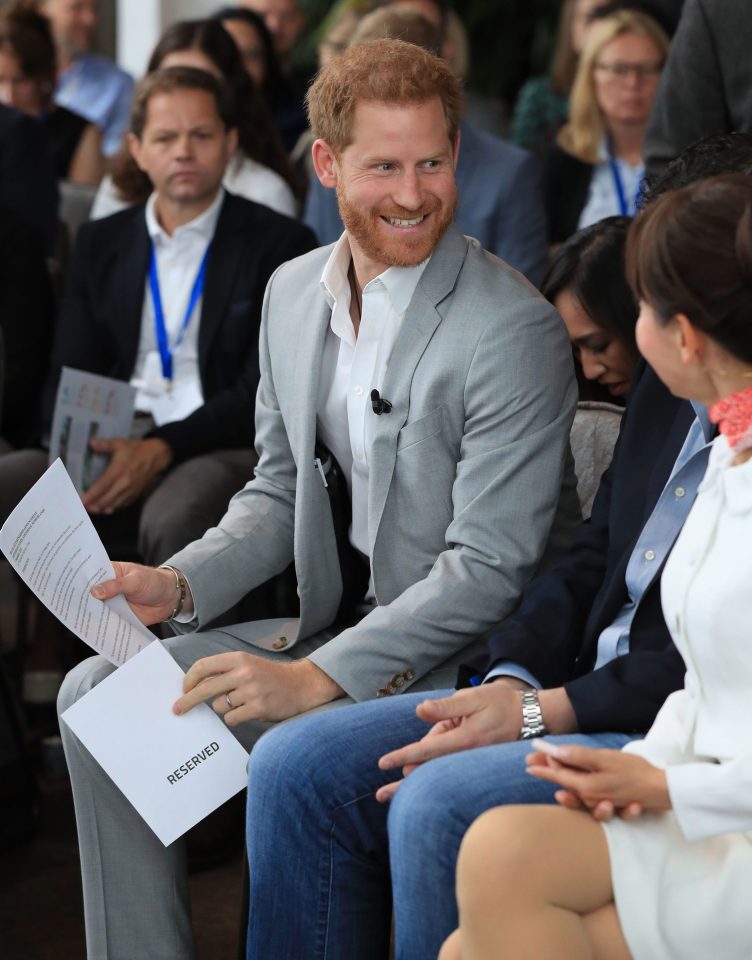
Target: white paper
[[174, 769], [52, 545], [88, 406]]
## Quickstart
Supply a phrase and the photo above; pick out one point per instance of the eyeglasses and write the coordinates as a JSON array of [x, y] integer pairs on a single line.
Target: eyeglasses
[[620, 71]]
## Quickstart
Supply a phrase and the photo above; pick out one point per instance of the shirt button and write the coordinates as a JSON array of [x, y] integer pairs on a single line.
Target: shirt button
[[650, 554], [358, 391], [680, 491]]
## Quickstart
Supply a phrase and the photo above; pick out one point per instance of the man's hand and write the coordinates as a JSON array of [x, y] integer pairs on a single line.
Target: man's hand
[[133, 466], [151, 593], [258, 689], [603, 781], [474, 717]]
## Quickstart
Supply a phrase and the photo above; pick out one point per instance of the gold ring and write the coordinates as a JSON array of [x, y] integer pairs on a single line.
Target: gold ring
[[229, 702]]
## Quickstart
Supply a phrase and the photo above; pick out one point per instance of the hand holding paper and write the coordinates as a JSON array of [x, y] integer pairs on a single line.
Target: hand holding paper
[[52, 545], [133, 466], [150, 592]]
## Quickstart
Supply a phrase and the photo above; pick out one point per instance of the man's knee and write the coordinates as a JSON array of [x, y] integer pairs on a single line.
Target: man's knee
[[81, 679]]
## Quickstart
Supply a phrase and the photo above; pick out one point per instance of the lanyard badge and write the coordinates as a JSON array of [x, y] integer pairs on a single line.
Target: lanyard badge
[[165, 351], [625, 209]]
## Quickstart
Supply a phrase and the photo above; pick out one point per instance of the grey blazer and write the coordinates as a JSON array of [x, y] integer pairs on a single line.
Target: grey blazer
[[465, 472]]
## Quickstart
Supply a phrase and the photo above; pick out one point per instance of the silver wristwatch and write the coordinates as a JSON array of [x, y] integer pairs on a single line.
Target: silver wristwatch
[[532, 717]]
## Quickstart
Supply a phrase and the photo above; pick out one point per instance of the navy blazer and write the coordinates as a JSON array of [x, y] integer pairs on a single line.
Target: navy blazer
[[99, 324], [554, 631]]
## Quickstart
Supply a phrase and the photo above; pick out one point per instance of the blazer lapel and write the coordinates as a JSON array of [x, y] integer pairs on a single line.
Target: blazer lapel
[[223, 264], [420, 321], [132, 267]]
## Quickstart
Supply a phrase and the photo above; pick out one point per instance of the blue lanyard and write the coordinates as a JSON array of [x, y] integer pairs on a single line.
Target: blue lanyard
[[165, 353], [624, 209]]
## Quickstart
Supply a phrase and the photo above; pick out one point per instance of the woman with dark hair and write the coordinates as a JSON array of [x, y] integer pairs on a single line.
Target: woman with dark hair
[[260, 59], [260, 170], [586, 283], [653, 860], [28, 74]]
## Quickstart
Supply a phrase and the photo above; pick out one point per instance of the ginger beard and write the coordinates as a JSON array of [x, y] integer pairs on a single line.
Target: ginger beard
[[367, 228]]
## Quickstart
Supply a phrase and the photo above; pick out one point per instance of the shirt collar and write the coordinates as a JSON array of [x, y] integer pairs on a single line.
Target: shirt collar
[[701, 412], [399, 282], [202, 226]]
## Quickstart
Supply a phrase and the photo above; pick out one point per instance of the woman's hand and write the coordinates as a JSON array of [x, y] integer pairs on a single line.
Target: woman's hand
[[603, 781]]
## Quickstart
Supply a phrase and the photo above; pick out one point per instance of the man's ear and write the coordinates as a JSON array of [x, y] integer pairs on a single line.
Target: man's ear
[[232, 142], [325, 163], [134, 145]]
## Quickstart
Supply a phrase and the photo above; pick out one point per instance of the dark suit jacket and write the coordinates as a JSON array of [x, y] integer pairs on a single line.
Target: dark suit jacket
[[27, 178], [27, 311], [566, 183], [706, 86], [554, 632], [100, 318]]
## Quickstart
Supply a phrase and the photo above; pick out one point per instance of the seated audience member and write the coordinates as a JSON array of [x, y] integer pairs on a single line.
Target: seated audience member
[[27, 179], [542, 105], [499, 189], [596, 168], [586, 658], [259, 169], [256, 47], [668, 875], [403, 353], [706, 87], [27, 82], [587, 285], [87, 84], [211, 256], [286, 22], [26, 315]]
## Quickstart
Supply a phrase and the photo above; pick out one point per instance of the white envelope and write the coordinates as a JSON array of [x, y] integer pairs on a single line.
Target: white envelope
[[174, 769]]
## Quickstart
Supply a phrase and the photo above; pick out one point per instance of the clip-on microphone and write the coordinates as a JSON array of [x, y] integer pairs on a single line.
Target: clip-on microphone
[[379, 406]]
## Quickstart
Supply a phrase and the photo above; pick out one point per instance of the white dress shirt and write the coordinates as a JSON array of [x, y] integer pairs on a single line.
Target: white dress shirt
[[352, 367], [178, 260], [603, 199]]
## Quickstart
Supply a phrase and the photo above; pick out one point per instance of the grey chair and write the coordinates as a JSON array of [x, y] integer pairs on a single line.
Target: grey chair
[[593, 435]]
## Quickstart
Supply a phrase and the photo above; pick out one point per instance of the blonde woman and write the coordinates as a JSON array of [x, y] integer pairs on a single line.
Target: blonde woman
[[596, 167]]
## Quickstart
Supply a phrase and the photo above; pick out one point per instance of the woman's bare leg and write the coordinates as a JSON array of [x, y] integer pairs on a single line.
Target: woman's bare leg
[[535, 882]]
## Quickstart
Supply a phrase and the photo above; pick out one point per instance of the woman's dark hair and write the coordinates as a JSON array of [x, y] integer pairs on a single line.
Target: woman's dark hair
[[590, 266], [257, 137], [26, 35], [276, 89], [690, 252]]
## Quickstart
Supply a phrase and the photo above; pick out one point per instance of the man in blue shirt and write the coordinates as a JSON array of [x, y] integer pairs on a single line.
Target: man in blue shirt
[[585, 658], [90, 85]]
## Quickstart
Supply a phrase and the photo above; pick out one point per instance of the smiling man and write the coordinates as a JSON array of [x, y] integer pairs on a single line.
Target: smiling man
[[412, 426]]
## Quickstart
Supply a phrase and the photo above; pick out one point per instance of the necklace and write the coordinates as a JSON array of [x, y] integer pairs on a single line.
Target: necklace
[[354, 293], [734, 418]]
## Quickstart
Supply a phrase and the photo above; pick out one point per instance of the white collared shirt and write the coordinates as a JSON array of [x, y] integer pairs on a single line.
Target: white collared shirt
[[603, 199], [352, 367], [178, 260]]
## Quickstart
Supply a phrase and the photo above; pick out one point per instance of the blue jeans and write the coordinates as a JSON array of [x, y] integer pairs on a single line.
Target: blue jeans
[[328, 863]]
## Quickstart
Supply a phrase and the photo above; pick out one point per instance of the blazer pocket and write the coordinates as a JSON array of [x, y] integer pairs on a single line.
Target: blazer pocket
[[422, 429]]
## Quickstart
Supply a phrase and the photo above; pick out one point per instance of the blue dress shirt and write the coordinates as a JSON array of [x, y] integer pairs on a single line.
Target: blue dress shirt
[[100, 91]]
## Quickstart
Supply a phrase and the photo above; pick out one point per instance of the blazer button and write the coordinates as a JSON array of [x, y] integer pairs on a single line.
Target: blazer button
[[381, 693], [390, 688], [409, 674], [399, 680], [280, 643]]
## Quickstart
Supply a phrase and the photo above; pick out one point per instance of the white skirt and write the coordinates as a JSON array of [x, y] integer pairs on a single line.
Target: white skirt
[[678, 900]]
